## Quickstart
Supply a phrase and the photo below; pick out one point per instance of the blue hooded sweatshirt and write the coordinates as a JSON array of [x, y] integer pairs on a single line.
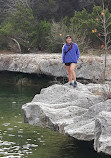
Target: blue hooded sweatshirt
[[72, 55]]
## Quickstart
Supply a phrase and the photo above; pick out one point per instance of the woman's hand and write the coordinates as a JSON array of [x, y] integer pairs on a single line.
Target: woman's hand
[[64, 65]]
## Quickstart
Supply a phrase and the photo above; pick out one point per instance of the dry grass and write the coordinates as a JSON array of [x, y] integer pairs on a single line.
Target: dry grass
[[107, 92], [6, 52], [90, 61], [97, 92]]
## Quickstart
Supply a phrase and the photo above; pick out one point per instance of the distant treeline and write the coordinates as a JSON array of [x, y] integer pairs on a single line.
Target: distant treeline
[[43, 24]]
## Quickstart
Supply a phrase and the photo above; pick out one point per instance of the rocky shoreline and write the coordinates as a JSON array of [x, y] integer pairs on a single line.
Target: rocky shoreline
[[83, 112], [88, 67]]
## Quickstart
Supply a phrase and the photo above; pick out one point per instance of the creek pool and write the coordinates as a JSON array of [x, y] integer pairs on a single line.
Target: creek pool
[[21, 140]]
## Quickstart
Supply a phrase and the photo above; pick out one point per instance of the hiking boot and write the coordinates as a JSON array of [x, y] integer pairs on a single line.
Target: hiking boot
[[75, 84], [70, 84]]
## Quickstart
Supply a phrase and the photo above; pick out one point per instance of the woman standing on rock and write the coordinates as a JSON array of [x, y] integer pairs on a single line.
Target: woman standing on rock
[[70, 56]]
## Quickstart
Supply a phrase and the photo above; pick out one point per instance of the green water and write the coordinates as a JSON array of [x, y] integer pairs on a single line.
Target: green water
[[21, 140]]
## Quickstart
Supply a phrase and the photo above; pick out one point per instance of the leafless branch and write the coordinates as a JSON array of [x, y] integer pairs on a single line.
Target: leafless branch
[[108, 19], [108, 25]]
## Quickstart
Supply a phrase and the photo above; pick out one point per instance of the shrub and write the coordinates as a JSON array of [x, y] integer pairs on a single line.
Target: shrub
[[56, 37], [19, 26]]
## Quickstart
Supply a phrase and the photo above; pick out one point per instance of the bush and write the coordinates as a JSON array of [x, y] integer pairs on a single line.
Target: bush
[[58, 32], [56, 37], [86, 22], [19, 26]]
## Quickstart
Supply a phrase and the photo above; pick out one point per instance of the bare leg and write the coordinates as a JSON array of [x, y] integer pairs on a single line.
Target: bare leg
[[72, 70], [69, 73]]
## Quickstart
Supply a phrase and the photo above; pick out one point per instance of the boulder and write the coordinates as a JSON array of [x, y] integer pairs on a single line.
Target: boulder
[[63, 106], [102, 141], [73, 111], [83, 127]]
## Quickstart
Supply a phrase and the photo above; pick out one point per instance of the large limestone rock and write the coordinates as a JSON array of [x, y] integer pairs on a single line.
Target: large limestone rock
[[83, 127], [72, 111], [102, 142], [64, 106], [49, 64], [88, 67]]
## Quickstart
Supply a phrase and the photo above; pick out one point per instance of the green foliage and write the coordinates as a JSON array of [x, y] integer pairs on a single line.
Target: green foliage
[[23, 26], [43, 32], [19, 25], [56, 37], [33, 33], [86, 22], [80, 20]]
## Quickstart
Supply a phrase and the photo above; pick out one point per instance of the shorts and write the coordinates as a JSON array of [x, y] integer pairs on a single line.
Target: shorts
[[68, 64]]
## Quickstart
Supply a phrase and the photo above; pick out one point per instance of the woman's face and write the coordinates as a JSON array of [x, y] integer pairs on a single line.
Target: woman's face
[[68, 40]]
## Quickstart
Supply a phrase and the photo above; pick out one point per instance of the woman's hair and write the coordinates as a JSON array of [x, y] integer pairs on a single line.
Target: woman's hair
[[68, 36]]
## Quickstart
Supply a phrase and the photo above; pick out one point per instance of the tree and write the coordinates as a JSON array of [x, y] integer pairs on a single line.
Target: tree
[[44, 9], [18, 27], [7, 6], [104, 31]]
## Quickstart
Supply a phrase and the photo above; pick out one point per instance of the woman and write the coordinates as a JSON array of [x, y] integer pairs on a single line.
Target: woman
[[70, 56]]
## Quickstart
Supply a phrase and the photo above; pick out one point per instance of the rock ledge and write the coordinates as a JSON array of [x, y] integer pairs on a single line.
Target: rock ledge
[[88, 67]]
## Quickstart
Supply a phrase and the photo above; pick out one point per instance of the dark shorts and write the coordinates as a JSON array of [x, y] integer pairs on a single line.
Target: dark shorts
[[68, 64]]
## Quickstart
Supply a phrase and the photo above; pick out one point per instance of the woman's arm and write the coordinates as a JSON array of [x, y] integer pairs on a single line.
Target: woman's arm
[[63, 54], [77, 52]]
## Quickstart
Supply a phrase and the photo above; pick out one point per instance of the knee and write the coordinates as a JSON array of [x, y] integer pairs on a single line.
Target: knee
[[71, 70]]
